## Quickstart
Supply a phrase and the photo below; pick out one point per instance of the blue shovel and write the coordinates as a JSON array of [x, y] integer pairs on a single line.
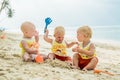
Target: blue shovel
[[48, 20]]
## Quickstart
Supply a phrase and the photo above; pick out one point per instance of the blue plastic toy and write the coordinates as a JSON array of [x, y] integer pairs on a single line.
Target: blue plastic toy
[[48, 20]]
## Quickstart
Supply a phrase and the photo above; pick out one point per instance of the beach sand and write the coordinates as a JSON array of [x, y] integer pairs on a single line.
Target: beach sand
[[13, 68]]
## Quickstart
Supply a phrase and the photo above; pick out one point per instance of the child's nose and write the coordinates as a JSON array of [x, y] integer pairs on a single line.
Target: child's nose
[[61, 38]]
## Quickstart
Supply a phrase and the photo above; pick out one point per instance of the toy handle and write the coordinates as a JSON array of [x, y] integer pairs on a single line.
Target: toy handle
[[48, 20]]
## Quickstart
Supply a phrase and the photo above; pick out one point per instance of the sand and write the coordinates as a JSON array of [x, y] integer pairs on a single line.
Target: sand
[[13, 68]]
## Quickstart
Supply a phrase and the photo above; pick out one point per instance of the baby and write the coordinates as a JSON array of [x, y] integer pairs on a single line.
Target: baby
[[85, 56], [59, 45], [30, 43]]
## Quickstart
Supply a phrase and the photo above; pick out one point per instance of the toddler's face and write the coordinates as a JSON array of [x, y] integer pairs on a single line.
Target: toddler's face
[[59, 38], [30, 32], [80, 36]]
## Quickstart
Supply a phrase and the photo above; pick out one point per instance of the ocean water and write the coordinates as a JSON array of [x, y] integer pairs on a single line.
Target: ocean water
[[99, 32], [109, 33]]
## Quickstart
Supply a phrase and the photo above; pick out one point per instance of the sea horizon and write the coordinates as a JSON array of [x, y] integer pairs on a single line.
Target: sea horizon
[[107, 33]]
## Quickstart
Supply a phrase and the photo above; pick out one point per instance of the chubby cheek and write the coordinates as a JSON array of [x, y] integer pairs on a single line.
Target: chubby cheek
[[31, 34], [80, 39], [61, 39]]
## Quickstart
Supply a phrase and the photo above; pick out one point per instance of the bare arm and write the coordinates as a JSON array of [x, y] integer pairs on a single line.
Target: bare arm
[[89, 52], [27, 49], [71, 44], [46, 38], [36, 36]]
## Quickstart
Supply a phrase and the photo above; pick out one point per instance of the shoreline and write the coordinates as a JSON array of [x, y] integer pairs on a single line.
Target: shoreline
[[16, 31], [111, 44]]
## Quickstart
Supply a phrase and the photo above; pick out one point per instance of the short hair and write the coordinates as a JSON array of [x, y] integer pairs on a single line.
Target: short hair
[[59, 29], [86, 30], [25, 26]]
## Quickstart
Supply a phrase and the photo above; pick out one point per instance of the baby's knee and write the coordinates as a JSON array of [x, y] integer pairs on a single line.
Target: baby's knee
[[51, 56], [26, 57], [95, 59]]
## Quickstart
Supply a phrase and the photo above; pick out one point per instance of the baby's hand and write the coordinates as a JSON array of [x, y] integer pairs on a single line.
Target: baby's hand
[[76, 43], [36, 34], [34, 50], [75, 49], [46, 32]]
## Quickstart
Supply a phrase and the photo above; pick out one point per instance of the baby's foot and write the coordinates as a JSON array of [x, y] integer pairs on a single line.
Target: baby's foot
[[50, 57], [84, 70], [27, 59]]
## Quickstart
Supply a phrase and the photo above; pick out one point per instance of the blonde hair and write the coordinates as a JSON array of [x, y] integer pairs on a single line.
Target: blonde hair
[[60, 30], [27, 25], [86, 30]]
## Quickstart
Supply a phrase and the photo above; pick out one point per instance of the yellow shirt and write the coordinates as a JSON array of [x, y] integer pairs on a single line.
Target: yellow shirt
[[87, 47], [29, 42], [59, 48]]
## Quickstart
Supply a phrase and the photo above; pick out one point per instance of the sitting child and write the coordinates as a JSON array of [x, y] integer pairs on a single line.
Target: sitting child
[[85, 58], [59, 45], [30, 45]]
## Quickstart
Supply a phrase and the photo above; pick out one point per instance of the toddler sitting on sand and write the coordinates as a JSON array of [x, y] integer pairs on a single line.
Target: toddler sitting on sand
[[30, 43]]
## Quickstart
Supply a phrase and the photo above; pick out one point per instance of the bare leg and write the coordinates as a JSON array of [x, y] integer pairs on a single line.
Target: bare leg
[[92, 64], [26, 57], [76, 61], [51, 56]]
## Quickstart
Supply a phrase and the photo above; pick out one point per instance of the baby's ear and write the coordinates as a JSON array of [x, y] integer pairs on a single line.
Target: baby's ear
[[85, 36]]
